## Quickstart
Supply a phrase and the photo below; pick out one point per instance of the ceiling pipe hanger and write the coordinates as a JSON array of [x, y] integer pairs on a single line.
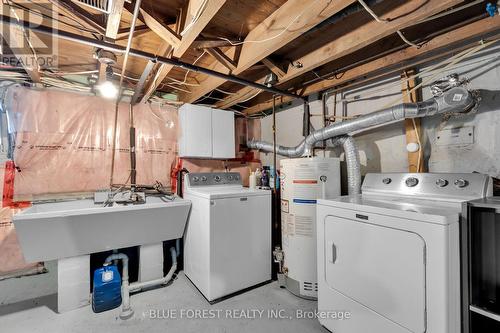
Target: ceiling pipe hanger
[[144, 55]]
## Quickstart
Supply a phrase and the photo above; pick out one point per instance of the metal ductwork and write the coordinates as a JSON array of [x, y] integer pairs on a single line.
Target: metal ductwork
[[455, 100], [351, 156]]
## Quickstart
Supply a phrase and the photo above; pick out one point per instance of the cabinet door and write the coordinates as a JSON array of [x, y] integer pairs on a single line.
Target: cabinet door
[[223, 140], [196, 132]]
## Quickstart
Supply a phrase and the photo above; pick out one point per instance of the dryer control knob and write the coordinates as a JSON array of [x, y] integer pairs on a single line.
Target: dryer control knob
[[217, 178], [411, 182], [196, 178], [203, 179], [441, 182], [461, 183], [386, 181]]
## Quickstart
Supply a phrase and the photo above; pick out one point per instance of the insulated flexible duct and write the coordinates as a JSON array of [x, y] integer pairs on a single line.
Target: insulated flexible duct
[[351, 156], [455, 100]]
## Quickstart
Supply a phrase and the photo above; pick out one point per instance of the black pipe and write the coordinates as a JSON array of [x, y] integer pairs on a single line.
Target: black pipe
[[141, 54], [133, 171], [306, 120]]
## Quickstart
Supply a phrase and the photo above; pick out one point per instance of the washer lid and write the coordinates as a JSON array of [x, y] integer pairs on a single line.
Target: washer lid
[[220, 192], [430, 211]]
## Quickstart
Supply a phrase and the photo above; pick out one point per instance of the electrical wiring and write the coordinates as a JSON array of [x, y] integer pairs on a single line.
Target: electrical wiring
[[380, 20], [194, 63], [275, 36], [251, 97], [439, 72], [224, 92], [195, 18], [430, 71]]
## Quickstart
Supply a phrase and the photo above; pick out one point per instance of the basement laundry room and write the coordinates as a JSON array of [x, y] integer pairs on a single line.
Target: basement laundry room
[[250, 166]]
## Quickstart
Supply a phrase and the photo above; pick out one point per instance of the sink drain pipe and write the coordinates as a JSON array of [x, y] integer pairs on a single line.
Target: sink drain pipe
[[127, 288]]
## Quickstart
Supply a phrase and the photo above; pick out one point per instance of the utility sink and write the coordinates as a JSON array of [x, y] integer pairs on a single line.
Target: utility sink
[[57, 230]]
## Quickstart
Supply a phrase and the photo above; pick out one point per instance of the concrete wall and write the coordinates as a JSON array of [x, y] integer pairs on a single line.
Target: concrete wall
[[384, 149]]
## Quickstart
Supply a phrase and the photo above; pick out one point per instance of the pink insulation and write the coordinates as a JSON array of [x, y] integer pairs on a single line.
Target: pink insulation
[[64, 142]]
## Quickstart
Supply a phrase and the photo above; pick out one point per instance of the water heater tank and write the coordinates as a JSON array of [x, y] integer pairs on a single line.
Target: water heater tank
[[303, 181]]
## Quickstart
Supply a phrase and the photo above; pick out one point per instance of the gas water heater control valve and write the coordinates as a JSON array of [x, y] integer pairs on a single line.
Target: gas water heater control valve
[[411, 182], [441, 182], [461, 183]]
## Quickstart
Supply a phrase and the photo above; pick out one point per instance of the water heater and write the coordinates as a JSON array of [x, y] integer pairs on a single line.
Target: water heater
[[303, 181]]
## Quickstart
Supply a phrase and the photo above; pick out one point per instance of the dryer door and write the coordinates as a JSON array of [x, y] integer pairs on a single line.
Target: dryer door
[[378, 267]]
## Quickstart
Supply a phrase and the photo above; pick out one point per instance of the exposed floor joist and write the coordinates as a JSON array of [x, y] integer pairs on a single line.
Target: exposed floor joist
[[162, 30], [438, 46], [212, 7], [20, 49], [406, 15], [285, 24], [112, 28]]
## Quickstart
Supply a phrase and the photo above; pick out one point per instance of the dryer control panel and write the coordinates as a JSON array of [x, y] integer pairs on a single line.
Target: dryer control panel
[[213, 179], [440, 186]]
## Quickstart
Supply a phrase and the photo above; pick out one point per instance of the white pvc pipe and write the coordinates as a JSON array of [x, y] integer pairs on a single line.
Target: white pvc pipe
[[127, 288]]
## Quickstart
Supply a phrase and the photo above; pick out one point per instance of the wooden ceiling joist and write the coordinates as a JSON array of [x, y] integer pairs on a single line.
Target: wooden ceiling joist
[[112, 28], [439, 46], [274, 67], [162, 30], [114, 18], [285, 24], [222, 58], [406, 15], [212, 7], [19, 48]]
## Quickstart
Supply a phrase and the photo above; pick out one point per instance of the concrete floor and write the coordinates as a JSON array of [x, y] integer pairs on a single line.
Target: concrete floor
[[180, 299]]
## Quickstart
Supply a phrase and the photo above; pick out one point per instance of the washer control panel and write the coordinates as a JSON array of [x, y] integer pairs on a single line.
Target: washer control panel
[[213, 179], [429, 185]]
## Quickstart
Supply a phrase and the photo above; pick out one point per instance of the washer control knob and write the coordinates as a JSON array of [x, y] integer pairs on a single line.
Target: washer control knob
[[411, 182], [217, 178], [230, 177], [386, 181], [461, 183], [441, 182], [203, 179], [196, 179]]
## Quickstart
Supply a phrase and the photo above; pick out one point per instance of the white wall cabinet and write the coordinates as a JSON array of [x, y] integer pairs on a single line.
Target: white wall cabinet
[[206, 132]]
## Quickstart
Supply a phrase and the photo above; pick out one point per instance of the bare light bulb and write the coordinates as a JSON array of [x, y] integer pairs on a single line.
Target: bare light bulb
[[108, 90]]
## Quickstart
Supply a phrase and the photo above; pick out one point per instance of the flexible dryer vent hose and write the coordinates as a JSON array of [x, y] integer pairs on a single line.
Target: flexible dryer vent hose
[[455, 100]]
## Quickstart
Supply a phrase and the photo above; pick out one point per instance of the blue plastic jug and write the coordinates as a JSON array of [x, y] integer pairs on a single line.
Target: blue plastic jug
[[107, 293]]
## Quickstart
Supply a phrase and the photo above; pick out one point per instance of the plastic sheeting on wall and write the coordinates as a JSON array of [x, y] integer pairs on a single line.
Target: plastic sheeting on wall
[[63, 141], [11, 259]]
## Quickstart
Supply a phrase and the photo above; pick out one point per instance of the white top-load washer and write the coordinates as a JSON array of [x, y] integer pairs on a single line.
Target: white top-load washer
[[227, 242], [390, 256]]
